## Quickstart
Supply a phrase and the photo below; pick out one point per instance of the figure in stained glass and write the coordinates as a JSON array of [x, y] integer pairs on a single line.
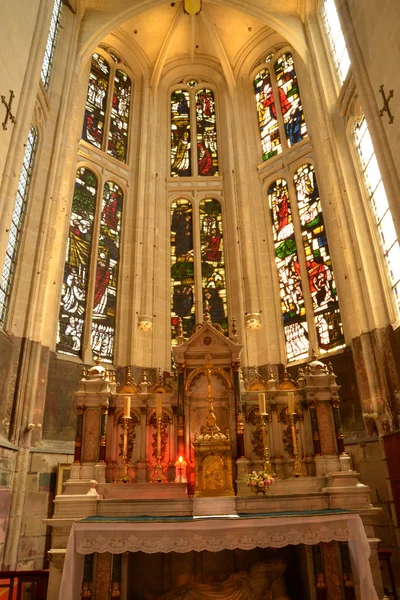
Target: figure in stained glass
[[319, 264], [290, 101], [76, 273], [212, 261], [182, 267], [291, 291], [180, 134], [207, 155], [93, 127], [106, 280], [119, 120], [266, 111]]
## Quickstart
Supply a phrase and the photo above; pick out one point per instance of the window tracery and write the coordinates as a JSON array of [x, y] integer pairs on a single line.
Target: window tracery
[[106, 120], [278, 104], [51, 43], [89, 238], [193, 116], [206, 285], [336, 40], [380, 206], [14, 234], [291, 229]]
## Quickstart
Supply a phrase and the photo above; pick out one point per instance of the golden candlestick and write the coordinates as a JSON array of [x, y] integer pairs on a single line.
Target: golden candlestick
[[124, 469], [298, 468], [158, 474], [267, 463]]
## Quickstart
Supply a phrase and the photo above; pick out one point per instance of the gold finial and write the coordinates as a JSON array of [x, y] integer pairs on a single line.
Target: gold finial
[[330, 368], [271, 374], [255, 371], [179, 327], [234, 327], [97, 360], [285, 374], [128, 380], [160, 377], [314, 355], [144, 376], [84, 372], [300, 373]]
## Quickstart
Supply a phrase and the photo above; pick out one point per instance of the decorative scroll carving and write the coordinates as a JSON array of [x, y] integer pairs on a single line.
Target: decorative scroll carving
[[131, 435], [164, 434], [256, 434]]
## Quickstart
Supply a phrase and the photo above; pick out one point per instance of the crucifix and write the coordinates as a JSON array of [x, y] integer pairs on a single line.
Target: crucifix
[[385, 107], [9, 115]]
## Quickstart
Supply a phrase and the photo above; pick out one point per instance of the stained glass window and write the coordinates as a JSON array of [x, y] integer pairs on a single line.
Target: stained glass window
[[51, 43], [212, 261], [180, 134], [266, 111], [207, 156], [319, 264], [290, 101], [76, 272], [336, 40], [15, 230], [105, 290], [119, 121], [96, 102], [380, 206], [291, 291], [182, 267]]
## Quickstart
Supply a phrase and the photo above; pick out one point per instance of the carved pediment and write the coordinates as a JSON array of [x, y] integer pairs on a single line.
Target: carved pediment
[[207, 340]]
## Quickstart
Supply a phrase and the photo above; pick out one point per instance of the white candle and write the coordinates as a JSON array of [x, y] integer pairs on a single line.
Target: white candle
[[127, 406], [290, 403], [261, 403], [158, 406]]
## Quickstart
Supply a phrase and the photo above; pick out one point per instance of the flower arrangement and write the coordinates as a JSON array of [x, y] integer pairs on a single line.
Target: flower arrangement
[[259, 482]]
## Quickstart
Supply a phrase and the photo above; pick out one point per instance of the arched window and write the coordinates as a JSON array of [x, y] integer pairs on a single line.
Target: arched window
[[182, 266], [91, 238], [197, 271], [106, 121], [380, 206], [193, 118], [278, 105], [14, 235], [307, 286], [51, 43], [336, 40]]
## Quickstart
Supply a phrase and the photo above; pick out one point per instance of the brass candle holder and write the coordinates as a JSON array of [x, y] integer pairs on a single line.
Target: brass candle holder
[[267, 463], [124, 469], [298, 467], [158, 474]]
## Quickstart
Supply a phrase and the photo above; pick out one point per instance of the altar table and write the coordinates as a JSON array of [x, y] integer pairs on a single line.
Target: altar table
[[184, 534]]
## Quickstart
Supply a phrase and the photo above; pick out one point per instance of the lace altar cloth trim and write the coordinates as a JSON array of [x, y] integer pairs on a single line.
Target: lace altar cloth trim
[[215, 535], [212, 540]]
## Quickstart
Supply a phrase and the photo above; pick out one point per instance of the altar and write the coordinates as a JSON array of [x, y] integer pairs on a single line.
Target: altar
[[199, 481], [98, 535]]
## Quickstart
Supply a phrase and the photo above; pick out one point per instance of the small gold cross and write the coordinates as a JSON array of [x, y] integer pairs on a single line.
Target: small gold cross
[[385, 107], [9, 115]]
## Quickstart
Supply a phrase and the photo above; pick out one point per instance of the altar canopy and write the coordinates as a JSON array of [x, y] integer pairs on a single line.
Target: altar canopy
[[184, 534]]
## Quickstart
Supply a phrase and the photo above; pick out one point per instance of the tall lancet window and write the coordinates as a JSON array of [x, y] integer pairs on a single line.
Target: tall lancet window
[[106, 121], [14, 234], [380, 206], [193, 119], [307, 286], [279, 108], [197, 268], [93, 248], [336, 40], [51, 43]]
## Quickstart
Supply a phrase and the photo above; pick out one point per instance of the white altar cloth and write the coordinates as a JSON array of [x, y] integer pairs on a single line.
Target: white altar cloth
[[214, 535]]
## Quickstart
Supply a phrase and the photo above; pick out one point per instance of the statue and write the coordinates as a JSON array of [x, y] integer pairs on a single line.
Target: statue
[[264, 581]]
